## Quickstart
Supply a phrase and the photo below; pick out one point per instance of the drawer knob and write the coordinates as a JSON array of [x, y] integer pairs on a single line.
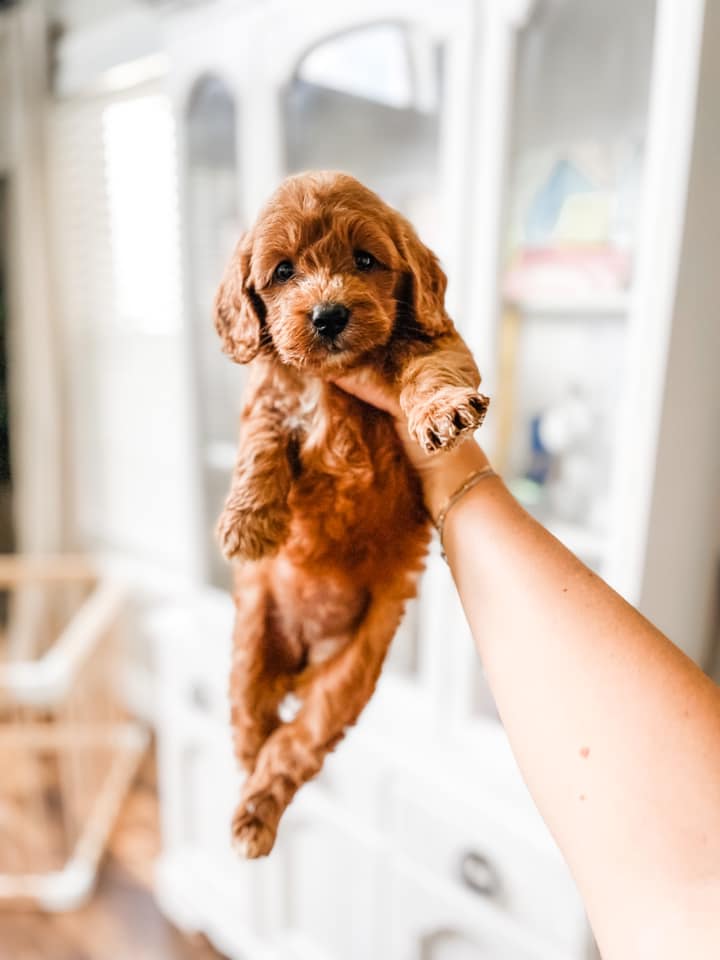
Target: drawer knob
[[201, 698], [479, 874]]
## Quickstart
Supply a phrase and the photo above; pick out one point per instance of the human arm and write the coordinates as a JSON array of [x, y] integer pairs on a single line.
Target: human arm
[[616, 731]]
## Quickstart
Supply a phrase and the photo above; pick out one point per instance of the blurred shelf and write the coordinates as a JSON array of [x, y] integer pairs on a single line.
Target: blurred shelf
[[587, 305]]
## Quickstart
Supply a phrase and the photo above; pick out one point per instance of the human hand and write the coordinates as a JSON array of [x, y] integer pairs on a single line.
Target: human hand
[[441, 473]]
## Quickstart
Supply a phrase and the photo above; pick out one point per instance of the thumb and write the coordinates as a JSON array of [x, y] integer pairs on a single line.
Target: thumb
[[368, 387]]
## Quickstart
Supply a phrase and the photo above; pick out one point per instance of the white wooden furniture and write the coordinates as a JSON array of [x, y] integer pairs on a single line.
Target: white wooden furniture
[[405, 843], [433, 861], [418, 839], [67, 752]]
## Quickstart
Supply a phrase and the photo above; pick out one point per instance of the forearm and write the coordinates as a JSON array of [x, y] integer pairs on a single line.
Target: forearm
[[617, 733]]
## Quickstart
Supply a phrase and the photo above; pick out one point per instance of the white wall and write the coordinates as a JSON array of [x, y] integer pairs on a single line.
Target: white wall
[[684, 543]]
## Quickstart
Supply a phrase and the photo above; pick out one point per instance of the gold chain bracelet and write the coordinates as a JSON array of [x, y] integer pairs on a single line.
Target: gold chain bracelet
[[467, 484]]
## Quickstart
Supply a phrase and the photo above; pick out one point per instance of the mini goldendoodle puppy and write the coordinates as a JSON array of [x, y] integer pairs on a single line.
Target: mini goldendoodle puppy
[[325, 515]]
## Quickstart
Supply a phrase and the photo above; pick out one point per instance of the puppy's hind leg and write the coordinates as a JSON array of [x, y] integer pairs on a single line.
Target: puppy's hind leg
[[256, 689], [333, 699]]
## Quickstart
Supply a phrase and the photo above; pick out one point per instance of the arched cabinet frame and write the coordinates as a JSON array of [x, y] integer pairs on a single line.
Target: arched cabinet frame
[[199, 331]]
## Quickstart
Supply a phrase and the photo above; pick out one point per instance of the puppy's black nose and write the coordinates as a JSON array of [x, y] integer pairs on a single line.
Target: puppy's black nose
[[330, 319]]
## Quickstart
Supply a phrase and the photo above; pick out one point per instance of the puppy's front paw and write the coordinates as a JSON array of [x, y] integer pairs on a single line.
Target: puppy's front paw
[[251, 836], [251, 534], [447, 417]]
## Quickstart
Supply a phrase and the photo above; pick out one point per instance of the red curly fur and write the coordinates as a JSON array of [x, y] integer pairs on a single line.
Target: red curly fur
[[325, 514]]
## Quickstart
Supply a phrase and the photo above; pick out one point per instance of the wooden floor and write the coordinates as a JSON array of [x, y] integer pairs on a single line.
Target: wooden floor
[[121, 922]]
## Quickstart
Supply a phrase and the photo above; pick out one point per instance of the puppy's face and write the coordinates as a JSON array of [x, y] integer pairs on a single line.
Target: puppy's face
[[328, 274]]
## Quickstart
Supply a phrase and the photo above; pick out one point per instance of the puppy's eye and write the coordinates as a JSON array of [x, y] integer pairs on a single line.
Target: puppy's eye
[[283, 271], [364, 261]]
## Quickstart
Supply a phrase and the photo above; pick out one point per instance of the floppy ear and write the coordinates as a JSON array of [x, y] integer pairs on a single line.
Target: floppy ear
[[423, 285], [239, 311]]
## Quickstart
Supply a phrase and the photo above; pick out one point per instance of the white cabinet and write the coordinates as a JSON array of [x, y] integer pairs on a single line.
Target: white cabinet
[[543, 149]]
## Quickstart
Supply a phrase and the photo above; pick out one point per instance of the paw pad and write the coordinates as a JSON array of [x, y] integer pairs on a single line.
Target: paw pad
[[448, 417]]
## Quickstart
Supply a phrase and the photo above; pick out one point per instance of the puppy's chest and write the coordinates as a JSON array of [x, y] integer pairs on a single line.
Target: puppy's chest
[[337, 440], [354, 494], [307, 414]]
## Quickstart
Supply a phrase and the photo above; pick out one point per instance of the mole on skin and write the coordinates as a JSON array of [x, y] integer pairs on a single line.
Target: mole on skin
[[585, 752]]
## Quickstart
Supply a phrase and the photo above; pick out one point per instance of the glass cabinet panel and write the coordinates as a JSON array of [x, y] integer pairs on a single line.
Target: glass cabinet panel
[[376, 85], [574, 176], [213, 219], [575, 170]]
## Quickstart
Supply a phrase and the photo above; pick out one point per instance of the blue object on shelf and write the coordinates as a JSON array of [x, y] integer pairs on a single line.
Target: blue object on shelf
[[544, 210], [541, 458]]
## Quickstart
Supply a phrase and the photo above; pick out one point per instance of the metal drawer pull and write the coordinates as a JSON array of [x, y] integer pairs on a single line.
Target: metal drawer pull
[[479, 874]]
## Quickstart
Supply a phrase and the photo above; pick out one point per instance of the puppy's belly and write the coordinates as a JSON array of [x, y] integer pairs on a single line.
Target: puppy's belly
[[316, 612], [357, 520]]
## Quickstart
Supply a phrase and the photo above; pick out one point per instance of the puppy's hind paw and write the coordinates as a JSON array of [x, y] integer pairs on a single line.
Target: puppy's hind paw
[[251, 838], [452, 414]]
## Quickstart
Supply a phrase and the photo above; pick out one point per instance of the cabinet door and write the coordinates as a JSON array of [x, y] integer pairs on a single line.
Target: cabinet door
[[378, 83], [212, 228], [576, 169], [374, 91], [574, 179]]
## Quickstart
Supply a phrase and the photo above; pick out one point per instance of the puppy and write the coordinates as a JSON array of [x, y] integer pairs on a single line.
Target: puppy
[[325, 514]]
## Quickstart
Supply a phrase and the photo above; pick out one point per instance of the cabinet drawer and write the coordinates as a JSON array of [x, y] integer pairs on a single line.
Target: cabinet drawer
[[436, 922], [485, 857]]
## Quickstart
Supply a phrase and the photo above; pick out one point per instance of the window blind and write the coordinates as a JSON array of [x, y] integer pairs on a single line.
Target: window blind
[[115, 256]]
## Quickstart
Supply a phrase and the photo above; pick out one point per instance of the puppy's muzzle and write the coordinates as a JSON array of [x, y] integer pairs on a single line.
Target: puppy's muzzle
[[329, 319]]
